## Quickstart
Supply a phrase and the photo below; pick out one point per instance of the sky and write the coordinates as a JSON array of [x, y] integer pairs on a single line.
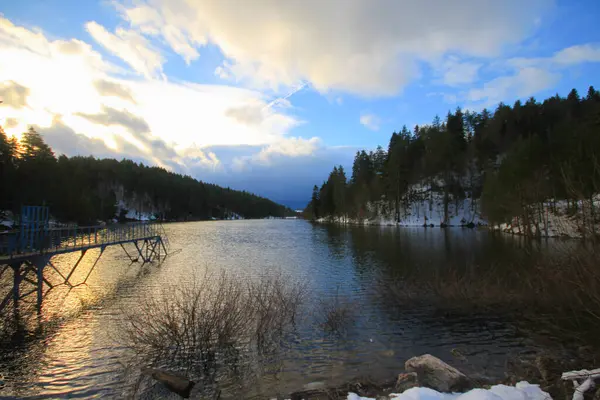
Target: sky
[[268, 95]]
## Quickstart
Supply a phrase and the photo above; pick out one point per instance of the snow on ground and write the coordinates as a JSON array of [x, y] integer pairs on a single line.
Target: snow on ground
[[230, 215], [7, 219], [522, 391], [133, 213], [7, 223], [424, 206], [561, 222]]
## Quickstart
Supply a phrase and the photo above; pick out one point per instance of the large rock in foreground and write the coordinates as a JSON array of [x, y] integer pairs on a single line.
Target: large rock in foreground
[[436, 374], [174, 382]]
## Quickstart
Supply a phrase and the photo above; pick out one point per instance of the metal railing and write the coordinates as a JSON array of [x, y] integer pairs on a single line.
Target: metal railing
[[71, 238]]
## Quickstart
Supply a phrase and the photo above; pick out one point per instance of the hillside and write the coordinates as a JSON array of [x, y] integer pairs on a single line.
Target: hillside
[[531, 169], [87, 190]]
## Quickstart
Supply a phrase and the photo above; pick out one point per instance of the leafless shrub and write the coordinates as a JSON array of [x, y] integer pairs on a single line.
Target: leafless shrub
[[569, 285], [275, 307], [336, 314], [197, 328], [562, 288]]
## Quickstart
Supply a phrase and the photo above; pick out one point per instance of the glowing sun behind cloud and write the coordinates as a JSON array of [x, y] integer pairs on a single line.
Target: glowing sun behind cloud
[[45, 81]]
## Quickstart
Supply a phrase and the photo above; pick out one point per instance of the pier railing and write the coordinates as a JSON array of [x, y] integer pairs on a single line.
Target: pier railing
[[58, 240]]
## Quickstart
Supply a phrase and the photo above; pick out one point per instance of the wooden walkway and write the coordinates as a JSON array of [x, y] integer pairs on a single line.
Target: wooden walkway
[[29, 251], [13, 247]]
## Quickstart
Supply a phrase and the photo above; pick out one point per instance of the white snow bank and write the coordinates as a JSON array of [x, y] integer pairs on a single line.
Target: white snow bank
[[522, 391], [7, 219], [554, 219], [421, 205], [133, 213]]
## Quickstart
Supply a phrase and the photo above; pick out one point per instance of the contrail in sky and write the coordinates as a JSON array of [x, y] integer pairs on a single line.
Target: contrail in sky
[[287, 96]]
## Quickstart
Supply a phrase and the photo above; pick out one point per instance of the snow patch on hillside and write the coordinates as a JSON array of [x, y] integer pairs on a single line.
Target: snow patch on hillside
[[231, 216], [422, 205], [133, 213], [558, 219]]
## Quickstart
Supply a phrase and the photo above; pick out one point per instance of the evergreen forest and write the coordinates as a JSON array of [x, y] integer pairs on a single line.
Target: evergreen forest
[[87, 190], [512, 162]]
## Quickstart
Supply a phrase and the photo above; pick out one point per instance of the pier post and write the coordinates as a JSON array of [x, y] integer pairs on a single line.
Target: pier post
[[16, 285], [40, 285], [40, 264]]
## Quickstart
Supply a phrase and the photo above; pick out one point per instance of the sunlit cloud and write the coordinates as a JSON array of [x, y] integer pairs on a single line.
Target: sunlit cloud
[[290, 148], [108, 88], [95, 98], [12, 94], [131, 47], [361, 47], [370, 121]]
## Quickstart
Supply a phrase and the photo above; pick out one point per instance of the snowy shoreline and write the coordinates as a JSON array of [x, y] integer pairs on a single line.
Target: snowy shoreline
[[425, 377], [566, 230], [521, 391], [423, 206], [553, 219]]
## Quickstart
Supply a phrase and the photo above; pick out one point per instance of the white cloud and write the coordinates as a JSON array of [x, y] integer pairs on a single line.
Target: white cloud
[[531, 75], [222, 73], [13, 94], [195, 157], [457, 73], [82, 89], [64, 140], [370, 121], [577, 55], [151, 22], [251, 114], [110, 88], [356, 46], [83, 104], [256, 112], [288, 147], [525, 82], [564, 58], [131, 47], [293, 146]]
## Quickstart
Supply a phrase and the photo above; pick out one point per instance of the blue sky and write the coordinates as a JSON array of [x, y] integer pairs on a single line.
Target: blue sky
[[268, 95]]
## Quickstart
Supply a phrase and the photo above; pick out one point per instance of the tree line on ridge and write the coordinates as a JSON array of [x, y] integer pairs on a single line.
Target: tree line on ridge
[[516, 161], [86, 189]]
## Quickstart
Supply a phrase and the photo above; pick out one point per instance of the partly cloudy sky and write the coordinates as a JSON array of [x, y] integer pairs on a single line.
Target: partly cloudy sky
[[266, 95]]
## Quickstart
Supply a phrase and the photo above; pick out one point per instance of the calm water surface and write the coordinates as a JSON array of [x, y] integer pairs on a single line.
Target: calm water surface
[[76, 353]]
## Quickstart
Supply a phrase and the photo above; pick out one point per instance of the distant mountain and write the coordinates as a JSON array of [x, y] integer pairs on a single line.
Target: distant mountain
[[294, 204]]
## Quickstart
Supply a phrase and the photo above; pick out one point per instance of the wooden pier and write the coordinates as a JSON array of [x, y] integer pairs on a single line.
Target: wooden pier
[[29, 250]]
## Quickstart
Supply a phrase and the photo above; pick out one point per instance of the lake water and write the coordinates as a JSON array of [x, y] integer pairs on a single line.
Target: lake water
[[76, 352]]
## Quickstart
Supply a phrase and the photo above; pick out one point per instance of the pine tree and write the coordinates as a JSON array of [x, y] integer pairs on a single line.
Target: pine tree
[[33, 147], [314, 203], [593, 94]]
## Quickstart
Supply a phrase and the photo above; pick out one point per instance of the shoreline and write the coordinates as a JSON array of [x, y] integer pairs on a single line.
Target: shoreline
[[504, 228], [424, 376]]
